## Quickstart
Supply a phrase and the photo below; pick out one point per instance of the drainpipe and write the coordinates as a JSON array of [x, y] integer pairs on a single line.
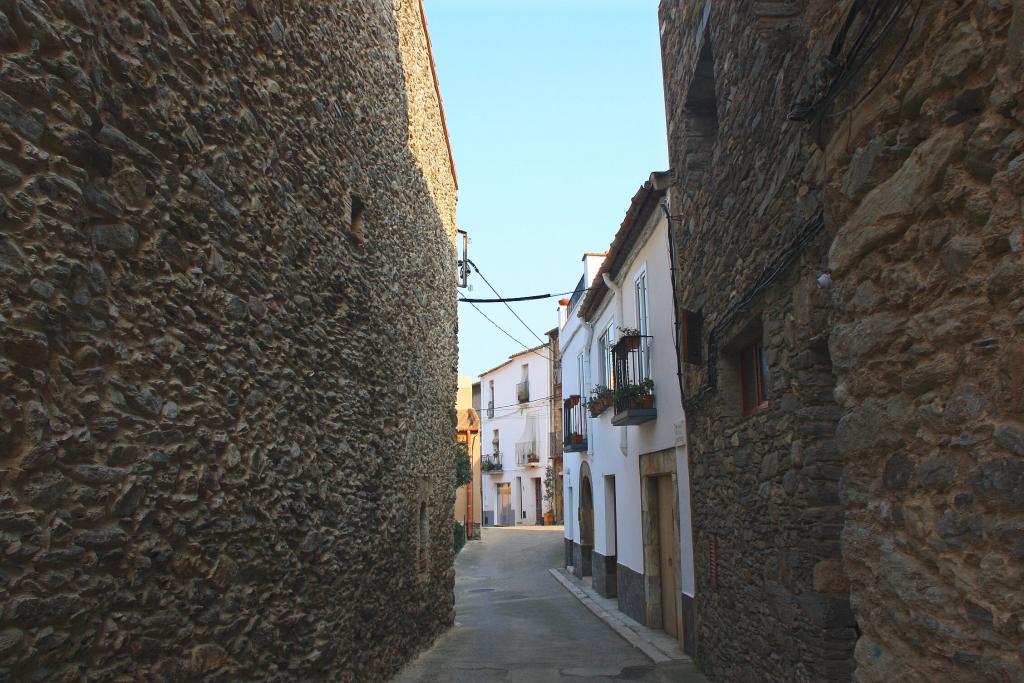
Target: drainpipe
[[675, 294]]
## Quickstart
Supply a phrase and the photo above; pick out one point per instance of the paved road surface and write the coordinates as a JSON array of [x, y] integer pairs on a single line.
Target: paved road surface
[[514, 622]]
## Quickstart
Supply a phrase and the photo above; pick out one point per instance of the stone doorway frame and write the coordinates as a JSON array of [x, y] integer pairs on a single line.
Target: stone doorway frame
[[583, 556], [653, 465]]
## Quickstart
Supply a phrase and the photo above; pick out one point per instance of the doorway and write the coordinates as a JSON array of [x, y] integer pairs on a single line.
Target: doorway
[[582, 561], [659, 511], [667, 552], [506, 516], [539, 497]]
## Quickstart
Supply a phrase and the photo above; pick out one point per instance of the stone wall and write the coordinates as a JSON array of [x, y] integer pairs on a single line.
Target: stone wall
[[228, 362], [428, 132], [925, 184], [749, 244], [894, 408]]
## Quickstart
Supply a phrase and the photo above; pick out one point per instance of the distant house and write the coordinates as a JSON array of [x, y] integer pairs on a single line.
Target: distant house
[[515, 438], [467, 431], [627, 501]]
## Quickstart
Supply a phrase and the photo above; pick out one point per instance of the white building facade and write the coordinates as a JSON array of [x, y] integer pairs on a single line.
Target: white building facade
[[626, 476], [515, 439]]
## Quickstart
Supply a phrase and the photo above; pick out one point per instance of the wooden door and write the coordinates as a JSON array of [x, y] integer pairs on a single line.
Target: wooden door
[[506, 517], [668, 551], [540, 500]]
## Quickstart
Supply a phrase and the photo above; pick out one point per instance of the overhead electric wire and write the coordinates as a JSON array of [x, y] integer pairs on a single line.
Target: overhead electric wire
[[487, 282], [532, 297], [484, 409], [505, 332]]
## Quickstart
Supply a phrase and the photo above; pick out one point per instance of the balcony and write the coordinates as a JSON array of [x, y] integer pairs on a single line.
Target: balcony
[[490, 409], [526, 454], [633, 398], [523, 392], [491, 463], [577, 295], [575, 424]]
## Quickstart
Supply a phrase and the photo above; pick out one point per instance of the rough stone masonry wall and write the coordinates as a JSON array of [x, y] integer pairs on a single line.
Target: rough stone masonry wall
[[926, 180], [220, 410], [766, 485]]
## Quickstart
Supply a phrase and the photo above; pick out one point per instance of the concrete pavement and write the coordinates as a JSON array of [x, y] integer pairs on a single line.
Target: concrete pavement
[[515, 622]]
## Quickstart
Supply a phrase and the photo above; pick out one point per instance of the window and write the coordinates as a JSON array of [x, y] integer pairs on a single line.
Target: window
[[523, 388], [424, 538], [754, 378], [692, 335], [607, 340], [642, 321], [355, 226], [581, 369]]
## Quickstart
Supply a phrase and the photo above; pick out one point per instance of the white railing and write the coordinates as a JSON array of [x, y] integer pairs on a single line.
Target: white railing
[[526, 453]]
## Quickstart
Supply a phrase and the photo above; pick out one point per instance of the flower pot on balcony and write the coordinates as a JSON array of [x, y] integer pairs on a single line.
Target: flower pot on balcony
[[576, 439], [533, 458], [630, 343], [574, 401]]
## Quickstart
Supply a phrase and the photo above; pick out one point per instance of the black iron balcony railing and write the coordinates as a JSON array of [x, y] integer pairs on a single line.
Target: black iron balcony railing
[[490, 409], [574, 419], [526, 453], [581, 289], [634, 388], [491, 462], [523, 391]]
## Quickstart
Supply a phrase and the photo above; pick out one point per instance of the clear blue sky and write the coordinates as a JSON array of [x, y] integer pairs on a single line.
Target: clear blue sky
[[556, 115]]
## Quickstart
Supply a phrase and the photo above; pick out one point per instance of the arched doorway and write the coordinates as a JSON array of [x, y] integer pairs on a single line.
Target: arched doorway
[[582, 559]]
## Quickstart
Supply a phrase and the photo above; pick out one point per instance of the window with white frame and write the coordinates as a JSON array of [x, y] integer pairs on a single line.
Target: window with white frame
[[581, 370], [605, 369], [642, 320]]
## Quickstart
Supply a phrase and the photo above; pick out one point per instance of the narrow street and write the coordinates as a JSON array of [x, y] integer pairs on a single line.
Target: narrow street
[[514, 622]]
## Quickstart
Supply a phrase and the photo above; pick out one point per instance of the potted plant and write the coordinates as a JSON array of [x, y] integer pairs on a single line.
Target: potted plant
[[629, 338], [636, 395], [549, 494], [574, 400], [601, 398], [532, 457], [575, 438]]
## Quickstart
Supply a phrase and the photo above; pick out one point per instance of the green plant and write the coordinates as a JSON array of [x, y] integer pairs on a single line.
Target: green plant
[[600, 392], [629, 332], [634, 393], [549, 488], [463, 465]]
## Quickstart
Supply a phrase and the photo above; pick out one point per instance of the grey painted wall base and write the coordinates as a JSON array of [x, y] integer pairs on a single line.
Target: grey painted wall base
[[568, 552], [581, 559], [630, 586], [488, 518], [603, 568], [689, 624]]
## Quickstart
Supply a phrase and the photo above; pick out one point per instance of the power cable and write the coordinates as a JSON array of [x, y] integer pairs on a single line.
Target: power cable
[[487, 282], [484, 409], [532, 297], [505, 332]]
